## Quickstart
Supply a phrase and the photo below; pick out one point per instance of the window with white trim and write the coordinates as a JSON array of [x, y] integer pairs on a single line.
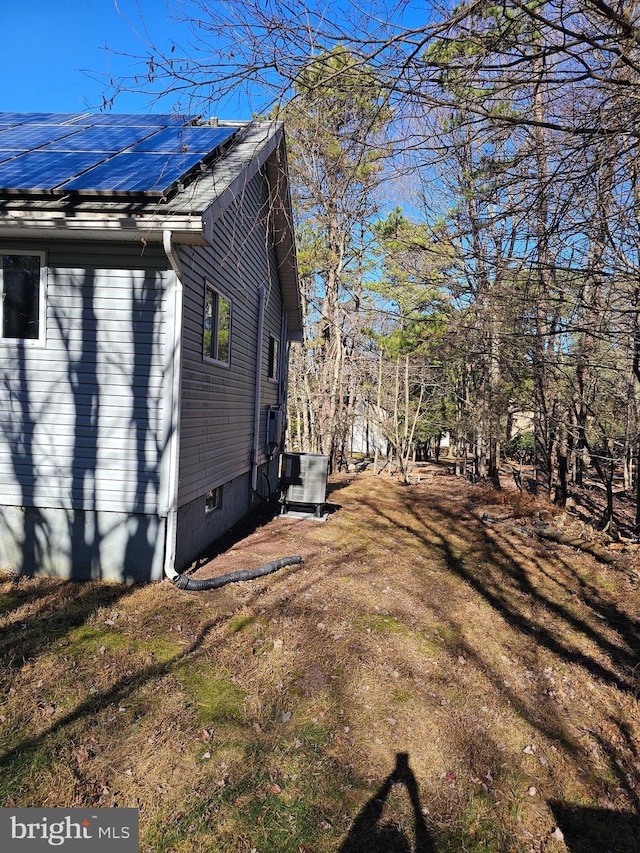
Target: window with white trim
[[22, 296], [216, 338]]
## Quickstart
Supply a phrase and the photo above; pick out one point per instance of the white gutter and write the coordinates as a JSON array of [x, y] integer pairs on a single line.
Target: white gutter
[[42, 225], [173, 362], [262, 292]]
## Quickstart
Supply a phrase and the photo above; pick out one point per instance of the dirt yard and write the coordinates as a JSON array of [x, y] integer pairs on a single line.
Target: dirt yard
[[433, 677]]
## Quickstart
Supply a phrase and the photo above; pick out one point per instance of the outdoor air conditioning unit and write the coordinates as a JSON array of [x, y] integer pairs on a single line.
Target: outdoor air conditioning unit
[[304, 484]]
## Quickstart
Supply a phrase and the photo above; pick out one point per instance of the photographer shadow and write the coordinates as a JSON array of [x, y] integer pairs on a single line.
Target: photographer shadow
[[369, 835]]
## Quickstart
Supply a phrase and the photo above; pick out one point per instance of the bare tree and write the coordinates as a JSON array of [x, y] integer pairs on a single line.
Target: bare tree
[[537, 106]]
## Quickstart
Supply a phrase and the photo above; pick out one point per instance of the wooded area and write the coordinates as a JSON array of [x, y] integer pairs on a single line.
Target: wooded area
[[467, 190]]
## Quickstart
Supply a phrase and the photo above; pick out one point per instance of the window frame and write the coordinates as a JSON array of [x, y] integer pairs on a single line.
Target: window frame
[[273, 358], [40, 341], [213, 500], [215, 325]]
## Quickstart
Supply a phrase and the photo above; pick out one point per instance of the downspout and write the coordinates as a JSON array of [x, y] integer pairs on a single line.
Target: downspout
[[262, 293], [283, 380], [173, 440]]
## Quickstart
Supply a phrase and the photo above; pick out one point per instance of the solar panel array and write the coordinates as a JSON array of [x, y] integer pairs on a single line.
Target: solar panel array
[[104, 154]]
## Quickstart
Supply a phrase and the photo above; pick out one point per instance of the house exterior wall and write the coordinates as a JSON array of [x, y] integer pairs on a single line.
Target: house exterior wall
[[367, 430], [217, 401], [81, 432]]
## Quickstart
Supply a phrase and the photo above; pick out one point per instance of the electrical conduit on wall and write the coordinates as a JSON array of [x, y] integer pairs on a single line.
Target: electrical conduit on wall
[[262, 294]]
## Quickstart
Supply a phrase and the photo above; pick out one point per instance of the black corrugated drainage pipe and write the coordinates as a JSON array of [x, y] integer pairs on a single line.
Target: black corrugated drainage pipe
[[184, 582]]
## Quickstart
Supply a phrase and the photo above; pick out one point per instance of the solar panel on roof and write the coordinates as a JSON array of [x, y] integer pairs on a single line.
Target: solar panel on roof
[[130, 120], [195, 140], [101, 154], [42, 170], [40, 118], [28, 136], [153, 173], [109, 140]]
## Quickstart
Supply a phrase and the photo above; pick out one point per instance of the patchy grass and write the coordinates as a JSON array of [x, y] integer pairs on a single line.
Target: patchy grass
[[274, 715]]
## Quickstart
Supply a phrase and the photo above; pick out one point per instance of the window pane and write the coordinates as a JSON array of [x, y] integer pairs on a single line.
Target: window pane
[[224, 328], [272, 368], [207, 338], [21, 296], [213, 499]]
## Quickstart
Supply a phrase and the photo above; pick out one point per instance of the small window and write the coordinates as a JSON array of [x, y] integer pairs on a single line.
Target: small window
[[22, 291], [213, 500], [216, 339], [272, 368]]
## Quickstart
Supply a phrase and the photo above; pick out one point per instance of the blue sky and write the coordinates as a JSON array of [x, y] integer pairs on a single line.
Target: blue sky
[[57, 54], [53, 50]]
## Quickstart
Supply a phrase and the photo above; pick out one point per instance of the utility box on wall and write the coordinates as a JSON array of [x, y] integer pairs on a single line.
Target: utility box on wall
[[303, 481], [274, 429]]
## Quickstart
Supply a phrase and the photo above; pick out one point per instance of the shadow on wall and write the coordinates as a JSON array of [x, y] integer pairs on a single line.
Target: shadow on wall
[[81, 432], [369, 834], [588, 830]]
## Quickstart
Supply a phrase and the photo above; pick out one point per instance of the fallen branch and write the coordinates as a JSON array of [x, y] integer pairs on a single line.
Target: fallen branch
[[514, 527], [592, 548]]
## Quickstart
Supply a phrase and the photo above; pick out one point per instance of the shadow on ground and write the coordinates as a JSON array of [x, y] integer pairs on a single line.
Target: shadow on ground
[[588, 830], [369, 834]]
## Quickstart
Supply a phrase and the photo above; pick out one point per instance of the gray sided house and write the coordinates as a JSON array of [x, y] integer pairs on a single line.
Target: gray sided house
[[149, 296]]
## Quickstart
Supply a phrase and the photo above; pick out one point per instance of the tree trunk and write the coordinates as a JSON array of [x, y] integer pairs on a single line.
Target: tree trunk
[[562, 455], [543, 424], [378, 433]]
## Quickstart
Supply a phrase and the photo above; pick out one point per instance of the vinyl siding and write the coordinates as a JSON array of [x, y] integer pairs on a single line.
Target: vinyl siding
[[81, 416], [217, 420]]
